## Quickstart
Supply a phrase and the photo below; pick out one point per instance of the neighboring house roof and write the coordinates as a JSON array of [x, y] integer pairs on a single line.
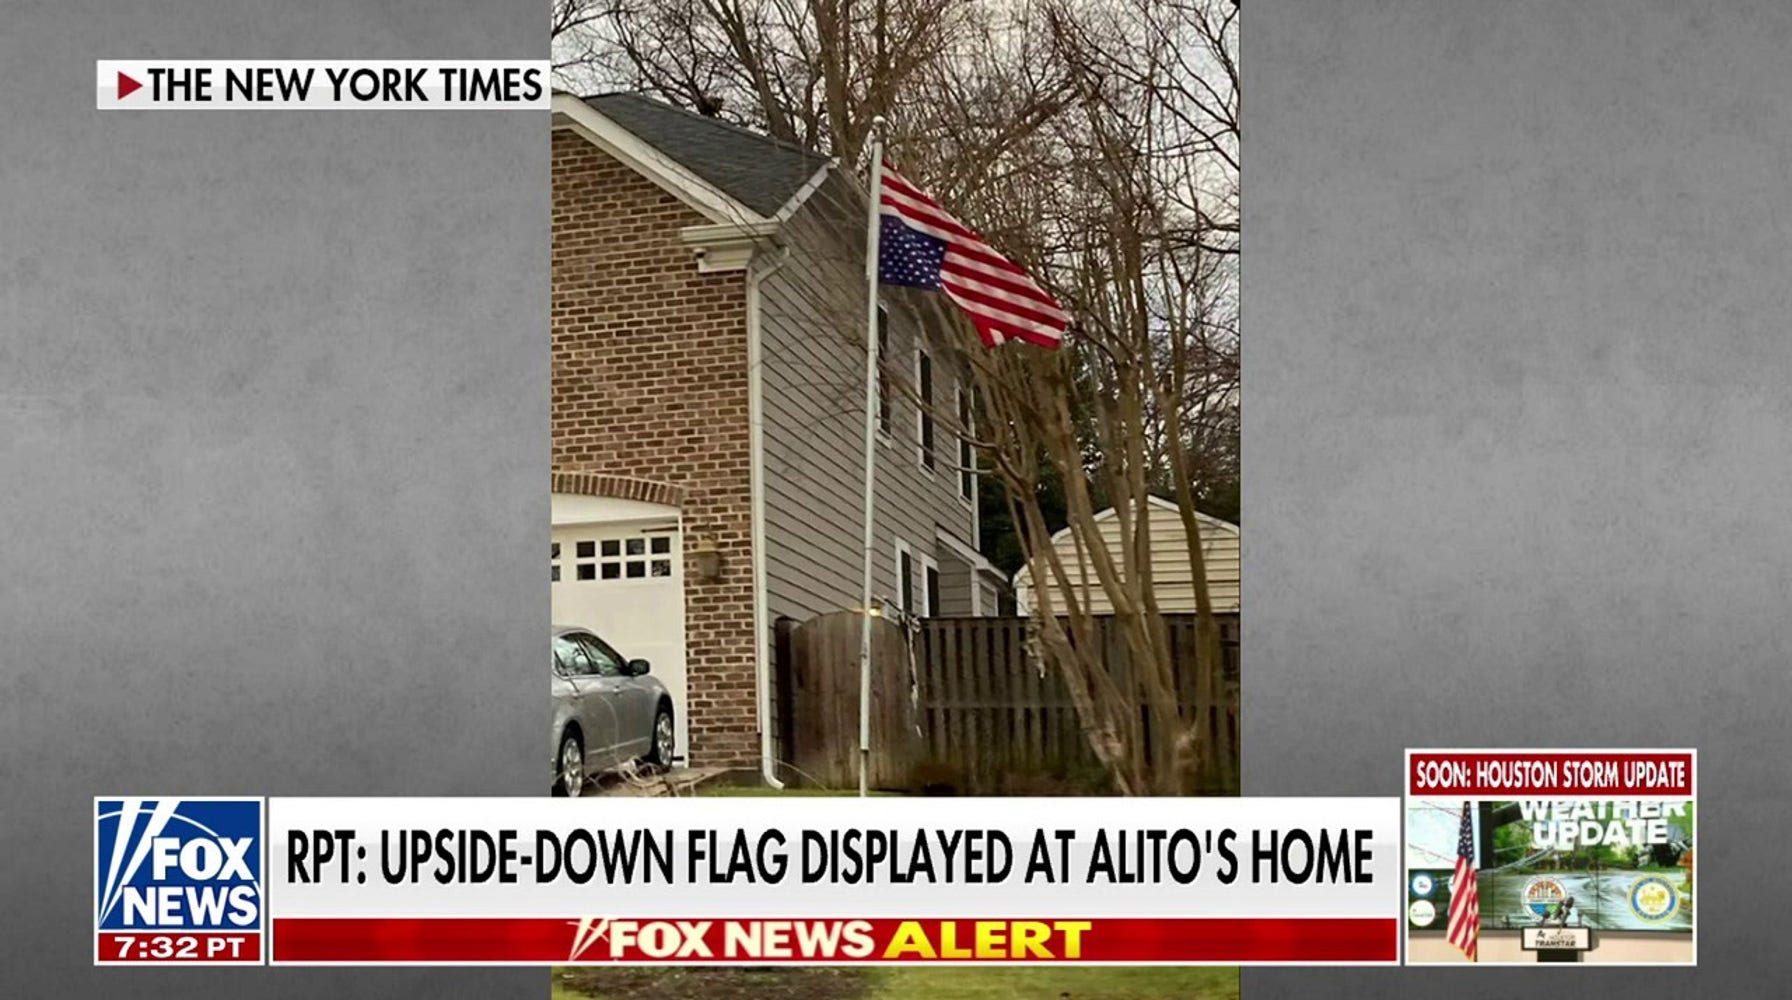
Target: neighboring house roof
[[756, 170], [1161, 504], [1170, 584]]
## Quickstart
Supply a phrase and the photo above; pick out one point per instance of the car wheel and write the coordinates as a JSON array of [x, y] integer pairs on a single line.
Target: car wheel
[[570, 782], [661, 754]]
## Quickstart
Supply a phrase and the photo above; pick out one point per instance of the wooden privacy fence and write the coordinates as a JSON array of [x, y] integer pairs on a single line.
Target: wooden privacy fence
[[818, 667], [991, 707], [967, 697]]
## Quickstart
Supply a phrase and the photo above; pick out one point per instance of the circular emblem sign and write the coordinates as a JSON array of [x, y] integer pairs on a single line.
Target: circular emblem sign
[[1422, 884], [1543, 894], [1421, 913], [1653, 898]]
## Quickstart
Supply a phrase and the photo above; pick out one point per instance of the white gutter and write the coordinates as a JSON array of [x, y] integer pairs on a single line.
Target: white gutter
[[756, 450]]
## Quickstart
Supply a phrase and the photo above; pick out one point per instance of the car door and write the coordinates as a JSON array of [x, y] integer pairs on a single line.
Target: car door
[[616, 689], [636, 701], [590, 705]]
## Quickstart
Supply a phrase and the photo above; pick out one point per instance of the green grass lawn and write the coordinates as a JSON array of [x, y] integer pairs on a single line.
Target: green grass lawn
[[1043, 983], [884, 983], [760, 791]]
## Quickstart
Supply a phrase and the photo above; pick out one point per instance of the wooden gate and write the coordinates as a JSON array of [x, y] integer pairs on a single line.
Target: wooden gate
[[821, 704]]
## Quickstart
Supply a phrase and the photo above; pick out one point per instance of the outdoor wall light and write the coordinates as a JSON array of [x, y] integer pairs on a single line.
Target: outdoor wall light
[[708, 559]]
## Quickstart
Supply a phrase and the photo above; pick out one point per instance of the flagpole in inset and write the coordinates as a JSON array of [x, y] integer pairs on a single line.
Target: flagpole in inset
[[871, 411]]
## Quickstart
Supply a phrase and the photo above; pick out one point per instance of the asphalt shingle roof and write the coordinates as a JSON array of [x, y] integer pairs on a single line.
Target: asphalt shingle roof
[[758, 171]]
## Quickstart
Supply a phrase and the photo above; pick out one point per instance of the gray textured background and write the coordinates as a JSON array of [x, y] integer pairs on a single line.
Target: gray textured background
[[1518, 438], [273, 452], [1518, 444]]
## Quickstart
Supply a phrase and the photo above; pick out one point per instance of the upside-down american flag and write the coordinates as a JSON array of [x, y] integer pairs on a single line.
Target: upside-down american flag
[[920, 245], [1465, 895]]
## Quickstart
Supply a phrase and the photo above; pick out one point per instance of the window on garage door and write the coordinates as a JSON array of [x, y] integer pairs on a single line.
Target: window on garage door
[[638, 556]]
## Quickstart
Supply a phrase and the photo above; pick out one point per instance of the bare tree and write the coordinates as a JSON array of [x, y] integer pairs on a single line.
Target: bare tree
[[1126, 204], [818, 72]]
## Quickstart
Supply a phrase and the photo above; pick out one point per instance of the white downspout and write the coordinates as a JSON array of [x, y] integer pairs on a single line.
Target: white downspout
[[756, 430]]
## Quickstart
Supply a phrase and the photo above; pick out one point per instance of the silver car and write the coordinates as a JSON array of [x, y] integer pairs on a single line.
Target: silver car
[[607, 711]]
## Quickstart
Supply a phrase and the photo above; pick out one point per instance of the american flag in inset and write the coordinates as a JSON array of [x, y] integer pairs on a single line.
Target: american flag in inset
[[1465, 896], [920, 245]]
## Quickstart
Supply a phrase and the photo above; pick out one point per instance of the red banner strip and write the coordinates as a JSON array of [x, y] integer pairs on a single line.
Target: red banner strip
[[179, 948], [1550, 775], [549, 941]]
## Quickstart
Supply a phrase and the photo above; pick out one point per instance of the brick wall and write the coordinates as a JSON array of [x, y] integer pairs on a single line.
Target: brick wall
[[650, 382]]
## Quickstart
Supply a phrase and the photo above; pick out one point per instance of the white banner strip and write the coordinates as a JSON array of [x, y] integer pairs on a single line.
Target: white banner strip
[[821, 857], [323, 85]]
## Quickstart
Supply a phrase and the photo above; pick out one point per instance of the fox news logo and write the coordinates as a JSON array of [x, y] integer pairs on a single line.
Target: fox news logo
[[178, 880]]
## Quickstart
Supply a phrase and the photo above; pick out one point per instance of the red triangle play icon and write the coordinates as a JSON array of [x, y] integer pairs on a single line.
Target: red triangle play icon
[[127, 86]]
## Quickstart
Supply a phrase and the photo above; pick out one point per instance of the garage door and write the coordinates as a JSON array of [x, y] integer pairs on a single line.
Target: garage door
[[625, 581]]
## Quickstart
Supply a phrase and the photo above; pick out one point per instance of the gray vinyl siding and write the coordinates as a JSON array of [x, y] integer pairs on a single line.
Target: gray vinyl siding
[[955, 584], [812, 330], [992, 596]]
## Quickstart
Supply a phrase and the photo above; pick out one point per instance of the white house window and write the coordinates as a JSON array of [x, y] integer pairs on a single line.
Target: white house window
[[967, 456], [905, 578], [930, 590], [885, 405], [924, 411], [636, 557]]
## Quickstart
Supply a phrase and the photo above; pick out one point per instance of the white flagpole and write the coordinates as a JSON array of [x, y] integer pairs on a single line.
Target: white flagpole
[[871, 410]]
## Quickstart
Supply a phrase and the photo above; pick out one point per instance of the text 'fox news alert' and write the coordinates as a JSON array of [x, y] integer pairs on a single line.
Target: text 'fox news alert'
[[833, 881], [323, 85], [178, 881]]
